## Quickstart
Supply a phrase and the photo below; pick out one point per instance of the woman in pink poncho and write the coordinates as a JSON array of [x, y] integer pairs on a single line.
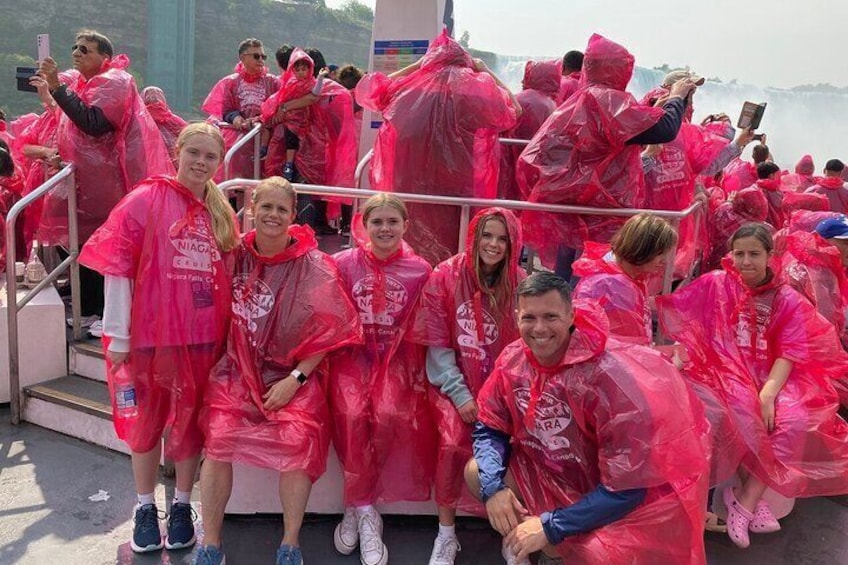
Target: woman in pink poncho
[[170, 125], [237, 99], [466, 317], [164, 251], [538, 101], [266, 401], [772, 360], [382, 428], [441, 121]]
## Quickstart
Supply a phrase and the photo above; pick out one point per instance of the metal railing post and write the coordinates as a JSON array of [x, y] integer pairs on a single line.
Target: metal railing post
[[465, 216], [73, 254], [237, 146], [257, 147]]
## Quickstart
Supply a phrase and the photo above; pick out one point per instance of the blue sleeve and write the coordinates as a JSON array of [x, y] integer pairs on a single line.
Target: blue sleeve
[[230, 117], [598, 508], [491, 451], [666, 129]]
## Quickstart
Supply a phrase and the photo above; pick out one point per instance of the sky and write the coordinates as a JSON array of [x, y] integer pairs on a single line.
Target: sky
[[781, 43]]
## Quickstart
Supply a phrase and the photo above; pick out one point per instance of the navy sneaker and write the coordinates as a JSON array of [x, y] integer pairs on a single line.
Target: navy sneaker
[[180, 526], [146, 535], [289, 555], [209, 555], [288, 171]]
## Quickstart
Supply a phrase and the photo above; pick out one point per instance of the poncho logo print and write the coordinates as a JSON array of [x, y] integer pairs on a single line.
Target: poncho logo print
[[469, 340], [671, 166], [193, 242], [551, 421], [744, 331], [251, 304], [251, 96], [363, 296]]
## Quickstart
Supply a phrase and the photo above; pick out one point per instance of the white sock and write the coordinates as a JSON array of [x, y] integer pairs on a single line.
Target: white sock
[[182, 497], [146, 499], [447, 531], [360, 510]]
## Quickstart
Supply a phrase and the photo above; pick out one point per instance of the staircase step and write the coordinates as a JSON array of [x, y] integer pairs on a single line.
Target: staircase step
[[75, 406], [87, 359]]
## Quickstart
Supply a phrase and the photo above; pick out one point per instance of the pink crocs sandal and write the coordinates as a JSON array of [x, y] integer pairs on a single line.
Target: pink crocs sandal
[[738, 519], [764, 521]]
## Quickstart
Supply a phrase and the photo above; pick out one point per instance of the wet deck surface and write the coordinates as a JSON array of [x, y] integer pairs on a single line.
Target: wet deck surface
[[46, 517]]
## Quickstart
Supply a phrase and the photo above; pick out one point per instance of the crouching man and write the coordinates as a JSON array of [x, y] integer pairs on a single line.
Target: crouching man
[[588, 449]]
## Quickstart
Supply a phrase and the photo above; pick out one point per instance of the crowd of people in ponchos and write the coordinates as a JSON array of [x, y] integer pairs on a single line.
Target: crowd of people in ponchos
[[443, 372]]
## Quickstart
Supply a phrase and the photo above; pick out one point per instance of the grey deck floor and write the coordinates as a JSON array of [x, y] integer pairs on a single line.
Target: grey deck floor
[[46, 517]]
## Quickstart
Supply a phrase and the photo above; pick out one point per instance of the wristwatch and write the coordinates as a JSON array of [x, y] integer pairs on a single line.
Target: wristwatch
[[299, 375]]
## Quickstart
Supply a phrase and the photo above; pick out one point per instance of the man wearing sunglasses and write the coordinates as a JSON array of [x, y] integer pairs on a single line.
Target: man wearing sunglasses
[[107, 133], [237, 100]]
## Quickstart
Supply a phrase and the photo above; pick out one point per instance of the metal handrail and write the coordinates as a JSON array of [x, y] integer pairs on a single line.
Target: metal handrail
[[511, 141], [13, 305], [252, 134]]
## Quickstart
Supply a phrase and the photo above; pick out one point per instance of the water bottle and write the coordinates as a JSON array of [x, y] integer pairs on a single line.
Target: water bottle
[[35, 271], [126, 402]]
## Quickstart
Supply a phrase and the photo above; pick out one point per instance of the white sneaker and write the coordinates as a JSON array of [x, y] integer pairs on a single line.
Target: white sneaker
[[509, 557], [372, 550], [96, 329], [444, 550], [346, 536], [85, 321]]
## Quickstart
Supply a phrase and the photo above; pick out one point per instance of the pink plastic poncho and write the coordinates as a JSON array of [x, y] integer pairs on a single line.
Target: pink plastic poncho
[[733, 335], [836, 191], [568, 85], [773, 191], [382, 427], [245, 93], [439, 136], [170, 125], [286, 308], [670, 185], [326, 128], [806, 220], [613, 414], [737, 175], [623, 299], [793, 201], [108, 166], [538, 101], [748, 205], [160, 236], [455, 312], [580, 155]]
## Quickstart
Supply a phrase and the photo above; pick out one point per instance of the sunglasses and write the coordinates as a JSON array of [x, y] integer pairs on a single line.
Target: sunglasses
[[257, 56], [81, 48]]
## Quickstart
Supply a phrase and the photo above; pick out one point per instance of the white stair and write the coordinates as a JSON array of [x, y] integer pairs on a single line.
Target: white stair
[[86, 359]]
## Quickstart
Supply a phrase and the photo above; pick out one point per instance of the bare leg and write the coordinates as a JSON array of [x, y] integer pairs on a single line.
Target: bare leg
[[186, 471], [447, 515], [290, 153], [295, 487], [145, 466], [216, 484], [751, 492]]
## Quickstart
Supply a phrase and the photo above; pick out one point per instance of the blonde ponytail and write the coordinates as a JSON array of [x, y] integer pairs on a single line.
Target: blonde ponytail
[[224, 225]]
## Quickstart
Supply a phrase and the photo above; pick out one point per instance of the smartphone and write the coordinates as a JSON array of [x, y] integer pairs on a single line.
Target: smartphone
[[22, 76], [43, 40], [759, 137]]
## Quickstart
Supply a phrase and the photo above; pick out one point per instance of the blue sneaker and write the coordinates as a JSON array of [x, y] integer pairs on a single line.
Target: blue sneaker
[[209, 555], [288, 171], [289, 555], [146, 535], [180, 526]]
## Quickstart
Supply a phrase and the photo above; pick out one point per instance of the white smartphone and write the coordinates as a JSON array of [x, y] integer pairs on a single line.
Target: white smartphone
[[43, 46]]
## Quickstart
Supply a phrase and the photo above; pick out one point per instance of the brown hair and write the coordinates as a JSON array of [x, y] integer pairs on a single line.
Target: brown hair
[[224, 225], [275, 183], [248, 43], [758, 231], [501, 291], [643, 238], [383, 199]]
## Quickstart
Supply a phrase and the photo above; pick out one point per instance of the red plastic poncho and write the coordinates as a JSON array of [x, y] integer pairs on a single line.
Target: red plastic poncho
[[108, 166], [773, 191], [580, 155], [568, 85], [806, 220], [538, 101], [455, 312], [748, 205], [733, 335], [439, 136], [326, 128], [737, 175], [170, 125], [793, 201], [245, 93], [813, 267], [286, 308], [836, 191], [670, 185], [382, 427], [614, 414], [623, 299], [160, 236]]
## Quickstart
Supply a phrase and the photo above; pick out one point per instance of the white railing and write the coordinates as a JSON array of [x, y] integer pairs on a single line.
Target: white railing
[[252, 134]]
